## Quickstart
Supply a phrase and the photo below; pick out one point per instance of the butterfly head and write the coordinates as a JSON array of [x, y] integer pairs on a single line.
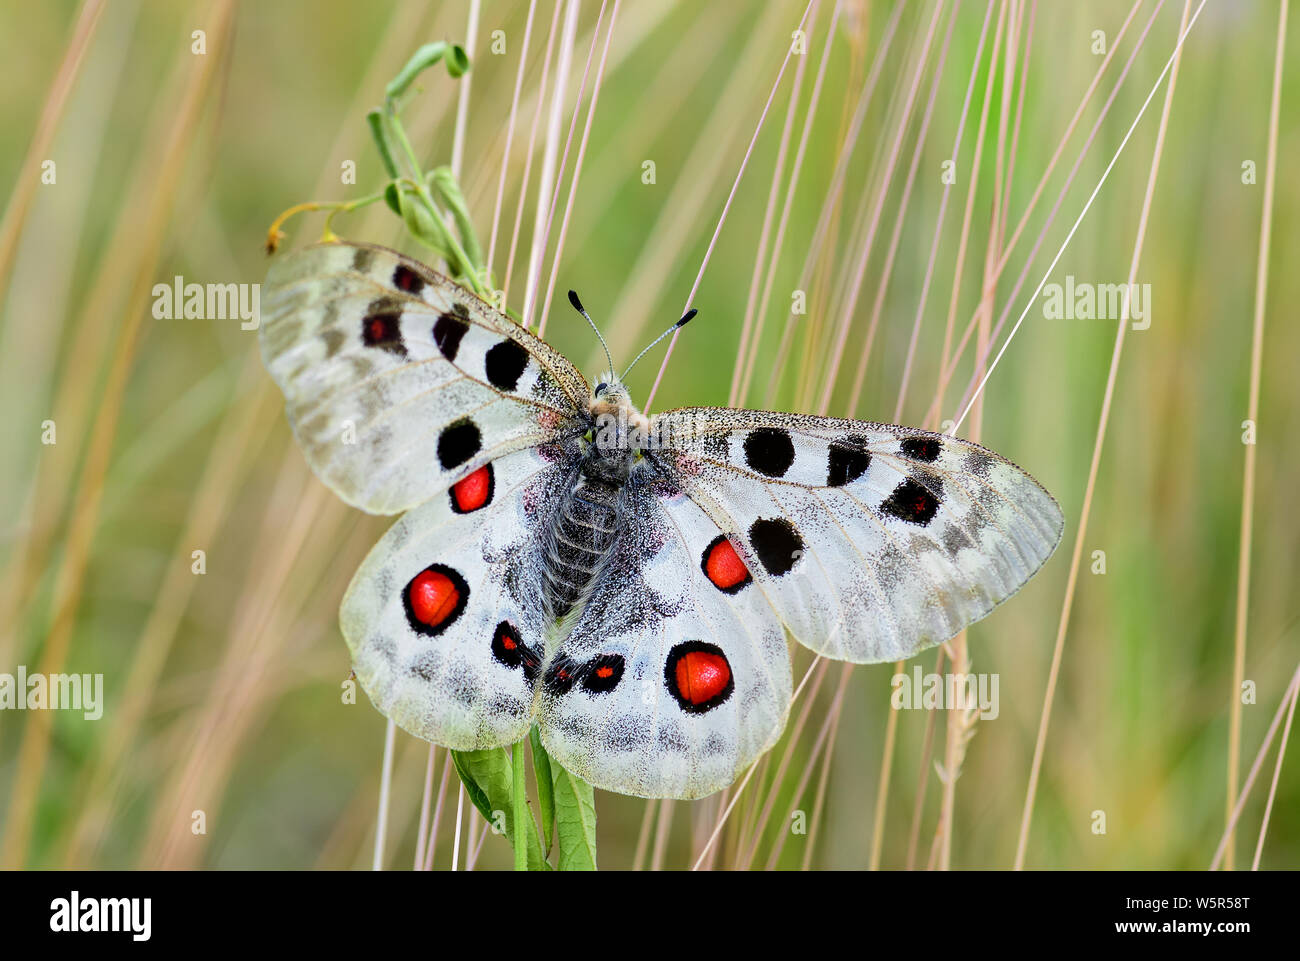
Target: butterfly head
[[617, 432], [610, 402], [609, 390]]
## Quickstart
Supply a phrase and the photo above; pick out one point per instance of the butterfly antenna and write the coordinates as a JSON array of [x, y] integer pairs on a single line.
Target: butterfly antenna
[[577, 305], [681, 323]]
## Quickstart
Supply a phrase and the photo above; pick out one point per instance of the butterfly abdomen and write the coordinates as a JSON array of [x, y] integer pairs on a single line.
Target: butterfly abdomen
[[585, 529]]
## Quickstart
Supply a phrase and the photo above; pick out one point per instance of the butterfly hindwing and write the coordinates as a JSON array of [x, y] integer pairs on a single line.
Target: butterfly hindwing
[[870, 541], [442, 621], [669, 685], [397, 381]]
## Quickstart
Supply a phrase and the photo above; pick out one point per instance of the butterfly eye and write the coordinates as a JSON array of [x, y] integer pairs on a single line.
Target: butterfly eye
[[600, 389]]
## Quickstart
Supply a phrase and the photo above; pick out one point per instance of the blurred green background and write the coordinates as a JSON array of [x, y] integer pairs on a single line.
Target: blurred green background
[[222, 689]]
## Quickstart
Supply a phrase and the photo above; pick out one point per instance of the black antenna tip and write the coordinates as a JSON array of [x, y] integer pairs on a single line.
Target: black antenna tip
[[577, 304], [690, 314]]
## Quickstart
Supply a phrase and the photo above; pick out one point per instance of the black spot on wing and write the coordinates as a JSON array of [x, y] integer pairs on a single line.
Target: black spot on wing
[[912, 503], [921, 448], [434, 599], [847, 460], [769, 450], [504, 364], [407, 280], [509, 649], [697, 692], [458, 443], [361, 258], [561, 676], [777, 544], [448, 330], [381, 326], [602, 673]]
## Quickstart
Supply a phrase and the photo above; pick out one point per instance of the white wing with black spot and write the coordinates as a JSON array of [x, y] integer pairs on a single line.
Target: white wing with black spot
[[397, 381], [669, 685], [870, 541], [443, 619]]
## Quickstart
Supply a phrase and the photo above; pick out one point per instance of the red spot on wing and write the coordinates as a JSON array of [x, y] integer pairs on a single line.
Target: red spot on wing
[[604, 671], [473, 492], [433, 597], [723, 566], [508, 642], [702, 676]]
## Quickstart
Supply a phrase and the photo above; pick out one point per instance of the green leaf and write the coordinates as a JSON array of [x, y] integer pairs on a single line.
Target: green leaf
[[375, 120], [427, 56], [487, 778], [473, 766], [545, 789], [575, 821], [392, 198]]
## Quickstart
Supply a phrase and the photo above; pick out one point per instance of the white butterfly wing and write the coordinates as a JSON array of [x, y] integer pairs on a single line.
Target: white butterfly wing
[[870, 541], [443, 619], [398, 382], [668, 686]]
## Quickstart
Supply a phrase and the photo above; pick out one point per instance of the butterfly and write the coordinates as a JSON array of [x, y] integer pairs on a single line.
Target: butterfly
[[625, 582]]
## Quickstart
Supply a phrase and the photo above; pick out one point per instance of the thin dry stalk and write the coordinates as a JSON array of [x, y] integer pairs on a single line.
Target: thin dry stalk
[[528, 156], [722, 218], [510, 134], [1042, 235], [824, 743], [1171, 68], [755, 832], [663, 828], [541, 222], [1248, 472], [582, 153], [819, 804], [643, 835], [69, 578], [422, 835], [923, 774], [20, 201], [1277, 776], [447, 773], [769, 209], [1292, 691], [385, 786], [544, 238]]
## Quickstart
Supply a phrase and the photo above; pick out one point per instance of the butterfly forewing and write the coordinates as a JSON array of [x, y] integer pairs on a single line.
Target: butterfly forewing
[[397, 381], [871, 542]]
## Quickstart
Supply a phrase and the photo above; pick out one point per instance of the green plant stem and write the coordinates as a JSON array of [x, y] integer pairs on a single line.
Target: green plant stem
[[421, 188], [520, 803]]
